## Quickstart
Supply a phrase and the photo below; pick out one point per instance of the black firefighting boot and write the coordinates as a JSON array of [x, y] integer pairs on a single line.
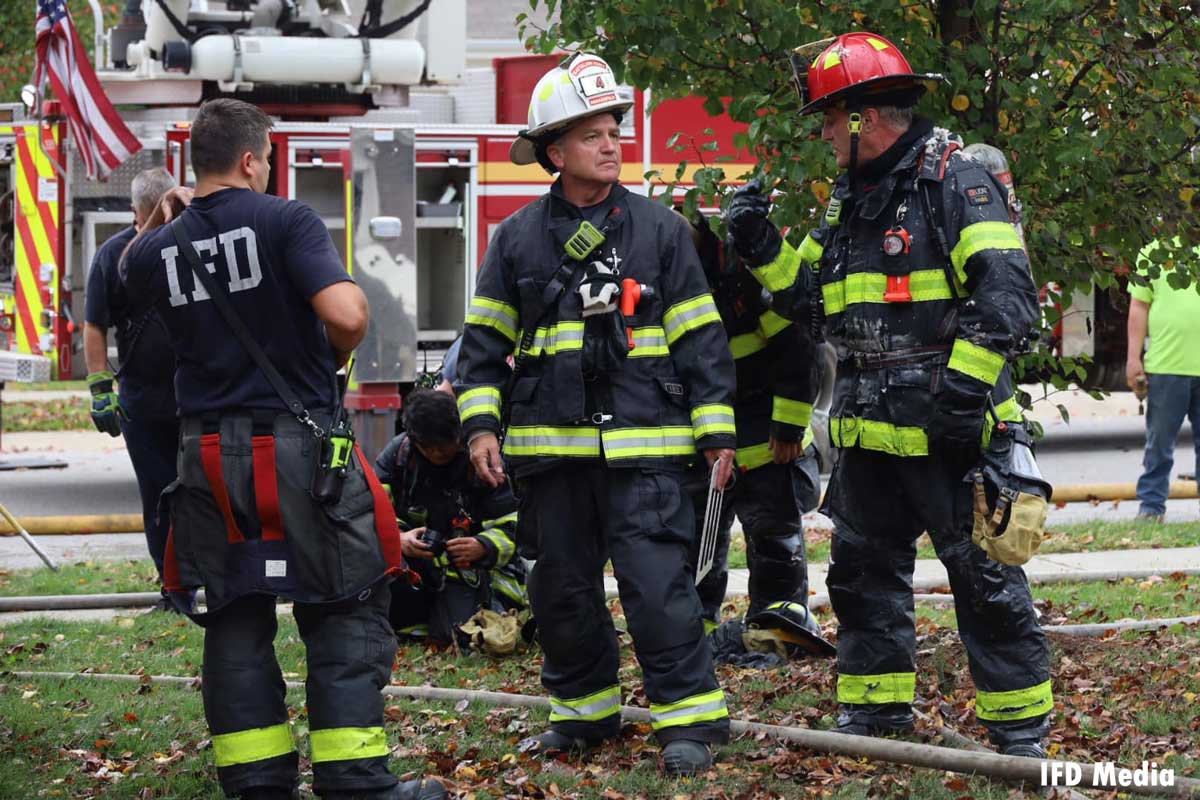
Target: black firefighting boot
[[420, 789], [684, 757], [875, 719], [550, 742], [1020, 737]]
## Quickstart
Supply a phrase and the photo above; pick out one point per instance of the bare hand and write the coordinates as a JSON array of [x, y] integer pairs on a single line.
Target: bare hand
[[172, 205], [1135, 376], [485, 457], [725, 470], [465, 551], [413, 545], [785, 452]]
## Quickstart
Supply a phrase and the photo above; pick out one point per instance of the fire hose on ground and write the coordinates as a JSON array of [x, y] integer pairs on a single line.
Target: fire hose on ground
[[965, 762]]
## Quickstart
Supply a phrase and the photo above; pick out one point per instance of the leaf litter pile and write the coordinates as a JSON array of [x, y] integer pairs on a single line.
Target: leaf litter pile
[[1121, 698]]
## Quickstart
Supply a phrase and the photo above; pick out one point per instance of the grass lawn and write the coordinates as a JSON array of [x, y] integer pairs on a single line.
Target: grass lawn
[[1124, 698], [49, 415], [46, 386], [83, 577]]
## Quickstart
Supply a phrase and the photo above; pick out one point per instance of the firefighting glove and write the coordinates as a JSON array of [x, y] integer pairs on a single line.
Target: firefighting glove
[[106, 409], [754, 235], [956, 434]]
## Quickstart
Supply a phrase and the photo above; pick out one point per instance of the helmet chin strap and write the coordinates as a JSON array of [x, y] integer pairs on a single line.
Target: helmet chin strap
[[854, 125]]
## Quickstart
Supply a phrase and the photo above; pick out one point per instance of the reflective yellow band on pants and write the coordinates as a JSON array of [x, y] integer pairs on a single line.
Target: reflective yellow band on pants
[[889, 687], [256, 744], [868, 287], [1016, 704], [541, 440], [480, 400], [871, 434], [791, 412], [712, 418], [493, 314], [345, 744], [649, 342], [670, 440], [689, 711], [979, 237], [690, 315], [589, 708], [779, 274], [978, 362], [558, 338]]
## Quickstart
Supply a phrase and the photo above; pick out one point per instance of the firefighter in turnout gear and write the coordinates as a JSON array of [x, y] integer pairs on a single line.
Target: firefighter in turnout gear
[[252, 517], [622, 374], [459, 531], [926, 293], [778, 379]]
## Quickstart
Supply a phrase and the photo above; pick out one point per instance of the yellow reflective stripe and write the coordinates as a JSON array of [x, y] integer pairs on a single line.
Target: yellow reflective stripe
[[493, 314], [871, 434], [791, 412], [787, 605], [710, 626], [598, 705], [257, 744], [697, 708], [541, 440], [344, 744], [892, 687], [1008, 411], [480, 400], [811, 250], [649, 342], [754, 456], [780, 274], [689, 315], [504, 545], [420, 629], [712, 418], [558, 338], [978, 362], [509, 588], [771, 323], [670, 440], [747, 344], [868, 287], [1016, 704], [979, 237]]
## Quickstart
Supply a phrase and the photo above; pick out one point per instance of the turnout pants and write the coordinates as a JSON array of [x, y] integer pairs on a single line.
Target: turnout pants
[[880, 504], [574, 518], [350, 649], [769, 500]]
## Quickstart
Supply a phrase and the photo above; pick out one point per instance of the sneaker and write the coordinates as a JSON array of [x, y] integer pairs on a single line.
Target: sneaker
[[551, 741], [684, 757], [1028, 748]]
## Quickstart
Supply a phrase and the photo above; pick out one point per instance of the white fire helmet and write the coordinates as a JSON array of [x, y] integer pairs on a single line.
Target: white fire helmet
[[579, 87]]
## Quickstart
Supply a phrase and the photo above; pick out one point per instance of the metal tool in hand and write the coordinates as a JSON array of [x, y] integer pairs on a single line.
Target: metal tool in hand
[[712, 523]]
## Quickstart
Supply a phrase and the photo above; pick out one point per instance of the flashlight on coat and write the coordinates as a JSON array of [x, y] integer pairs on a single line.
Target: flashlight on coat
[[632, 293]]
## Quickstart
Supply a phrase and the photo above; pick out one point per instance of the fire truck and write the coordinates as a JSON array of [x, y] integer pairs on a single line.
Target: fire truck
[[380, 126]]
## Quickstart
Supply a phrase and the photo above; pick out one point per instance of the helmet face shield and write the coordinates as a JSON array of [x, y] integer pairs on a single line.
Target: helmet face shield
[[801, 58]]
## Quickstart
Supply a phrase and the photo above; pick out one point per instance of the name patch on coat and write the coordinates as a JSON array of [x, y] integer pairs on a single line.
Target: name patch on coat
[[978, 196]]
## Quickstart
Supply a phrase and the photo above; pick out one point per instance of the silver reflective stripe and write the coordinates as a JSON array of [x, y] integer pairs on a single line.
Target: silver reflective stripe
[[686, 715], [484, 402], [649, 342], [635, 442], [536, 440], [607, 704], [676, 323], [558, 338]]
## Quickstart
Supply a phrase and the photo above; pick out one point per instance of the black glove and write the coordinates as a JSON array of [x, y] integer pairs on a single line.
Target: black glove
[[756, 238], [955, 433]]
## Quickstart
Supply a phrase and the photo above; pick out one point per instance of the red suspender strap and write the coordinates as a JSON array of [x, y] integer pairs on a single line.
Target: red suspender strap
[[170, 566], [385, 519], [266, 488], [210, 456]]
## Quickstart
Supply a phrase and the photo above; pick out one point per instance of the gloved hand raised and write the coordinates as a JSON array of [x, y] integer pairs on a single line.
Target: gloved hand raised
[[106, 409], [754, 235]]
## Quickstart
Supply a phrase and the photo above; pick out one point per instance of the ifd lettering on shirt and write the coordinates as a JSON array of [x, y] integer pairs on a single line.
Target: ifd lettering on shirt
[[240, 250]]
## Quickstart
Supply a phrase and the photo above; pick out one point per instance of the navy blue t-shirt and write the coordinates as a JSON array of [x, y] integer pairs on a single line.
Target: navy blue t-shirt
[[146, 372], [271, 255]]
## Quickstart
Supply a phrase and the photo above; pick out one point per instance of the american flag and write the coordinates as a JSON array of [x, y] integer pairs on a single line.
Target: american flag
[[102, 138]]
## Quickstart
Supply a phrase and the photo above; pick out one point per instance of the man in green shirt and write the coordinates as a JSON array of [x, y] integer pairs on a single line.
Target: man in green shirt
[[1170, 373]]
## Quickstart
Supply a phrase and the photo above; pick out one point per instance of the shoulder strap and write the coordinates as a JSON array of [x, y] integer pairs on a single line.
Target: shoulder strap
[[931, 172], [221, 300]]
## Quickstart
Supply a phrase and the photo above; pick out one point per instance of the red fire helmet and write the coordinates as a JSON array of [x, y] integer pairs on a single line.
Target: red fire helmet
[[853, 66]]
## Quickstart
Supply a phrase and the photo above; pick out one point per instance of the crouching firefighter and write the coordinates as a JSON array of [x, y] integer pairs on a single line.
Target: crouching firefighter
[[926, 292], [778, 379], [458, 530], [273, 498], [622, 374]]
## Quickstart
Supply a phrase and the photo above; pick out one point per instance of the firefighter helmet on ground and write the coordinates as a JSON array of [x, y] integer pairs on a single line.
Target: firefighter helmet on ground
[[579, 87], [853, 66]]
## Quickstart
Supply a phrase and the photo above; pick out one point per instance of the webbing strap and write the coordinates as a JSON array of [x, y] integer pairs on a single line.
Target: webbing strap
[[266, 488], [210, 457], [386, 528], [171, 581]]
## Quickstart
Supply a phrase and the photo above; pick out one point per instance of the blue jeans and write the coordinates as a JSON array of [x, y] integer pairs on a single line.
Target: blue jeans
[[1172, 397]]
